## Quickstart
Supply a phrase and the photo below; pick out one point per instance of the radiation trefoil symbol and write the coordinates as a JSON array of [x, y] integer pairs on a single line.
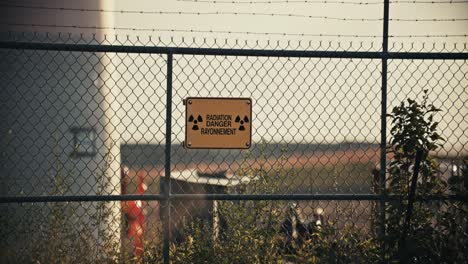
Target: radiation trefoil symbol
[[195, 121], [242, 122]]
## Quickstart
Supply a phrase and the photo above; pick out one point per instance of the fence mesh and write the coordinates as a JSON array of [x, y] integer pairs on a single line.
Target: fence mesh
[[94, 123]]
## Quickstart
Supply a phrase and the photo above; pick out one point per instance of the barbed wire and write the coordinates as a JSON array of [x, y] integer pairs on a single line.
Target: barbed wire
[[285, 1], [187, 30], [344, 19], [324, 2], [232, 32], [427, 2], [190, 13], [427, 19]]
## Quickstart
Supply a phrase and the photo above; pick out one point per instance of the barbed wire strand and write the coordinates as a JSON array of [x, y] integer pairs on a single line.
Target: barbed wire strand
[[323, 2], [235, 13], [186, 12], [428, 2], [226, 31]]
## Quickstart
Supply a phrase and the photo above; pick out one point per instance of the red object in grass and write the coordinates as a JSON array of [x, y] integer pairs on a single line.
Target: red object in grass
[[134, 212]]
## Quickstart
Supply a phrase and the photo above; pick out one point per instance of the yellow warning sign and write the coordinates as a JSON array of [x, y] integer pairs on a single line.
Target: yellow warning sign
[[218, 123]]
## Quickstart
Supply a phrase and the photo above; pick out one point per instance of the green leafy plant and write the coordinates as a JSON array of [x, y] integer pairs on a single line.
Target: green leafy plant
[[415, 231], [452, 235]]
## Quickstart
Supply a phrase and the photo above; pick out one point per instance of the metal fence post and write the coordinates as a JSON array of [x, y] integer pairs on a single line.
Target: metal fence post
[[167, 166], [383, 139]]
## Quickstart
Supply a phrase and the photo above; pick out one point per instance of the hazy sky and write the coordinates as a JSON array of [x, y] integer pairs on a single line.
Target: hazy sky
[[289, 18]]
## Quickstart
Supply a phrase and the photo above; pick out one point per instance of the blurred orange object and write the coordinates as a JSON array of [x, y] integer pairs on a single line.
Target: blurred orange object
[[133, 211]]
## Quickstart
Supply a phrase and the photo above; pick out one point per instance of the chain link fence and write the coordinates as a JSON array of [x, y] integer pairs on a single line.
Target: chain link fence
[[93, 166]]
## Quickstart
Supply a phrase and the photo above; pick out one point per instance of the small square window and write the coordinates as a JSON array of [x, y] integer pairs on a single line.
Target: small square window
[[84, 142]]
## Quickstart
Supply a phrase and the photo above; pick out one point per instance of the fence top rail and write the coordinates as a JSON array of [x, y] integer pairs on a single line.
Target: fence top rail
[[234, 52], [174, 196]]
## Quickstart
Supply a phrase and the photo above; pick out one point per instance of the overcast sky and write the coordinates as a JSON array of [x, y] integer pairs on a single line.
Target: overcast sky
[[310, 18]]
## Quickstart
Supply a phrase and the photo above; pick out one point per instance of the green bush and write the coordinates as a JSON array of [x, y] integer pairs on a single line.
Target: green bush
[[433, 225]]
